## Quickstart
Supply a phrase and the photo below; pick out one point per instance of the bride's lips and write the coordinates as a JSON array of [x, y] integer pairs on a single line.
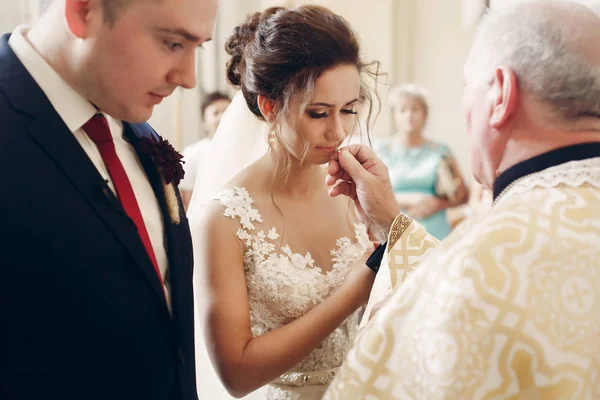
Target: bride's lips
[[327, 149]]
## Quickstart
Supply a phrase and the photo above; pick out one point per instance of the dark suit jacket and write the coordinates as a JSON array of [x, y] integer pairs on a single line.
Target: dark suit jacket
[[81, 310]]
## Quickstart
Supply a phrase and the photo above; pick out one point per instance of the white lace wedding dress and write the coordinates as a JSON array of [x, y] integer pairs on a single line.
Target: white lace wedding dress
[[282, 286]]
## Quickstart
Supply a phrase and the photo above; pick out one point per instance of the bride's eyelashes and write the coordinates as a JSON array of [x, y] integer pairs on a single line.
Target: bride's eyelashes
[[316, 115]]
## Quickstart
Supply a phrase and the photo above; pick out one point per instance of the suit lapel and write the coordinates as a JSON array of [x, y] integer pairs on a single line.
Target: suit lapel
[[48, 130], [60, 144], [133, 133], [176, 234]]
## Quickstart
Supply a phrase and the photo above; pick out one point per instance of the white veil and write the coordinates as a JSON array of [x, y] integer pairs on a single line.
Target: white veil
[[241, 139]]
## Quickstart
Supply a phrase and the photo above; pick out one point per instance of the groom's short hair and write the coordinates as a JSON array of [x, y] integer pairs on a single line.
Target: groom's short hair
[[112, 8]]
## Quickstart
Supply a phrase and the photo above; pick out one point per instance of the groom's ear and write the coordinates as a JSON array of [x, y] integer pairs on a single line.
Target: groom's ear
[[267, 107], [79, 15]]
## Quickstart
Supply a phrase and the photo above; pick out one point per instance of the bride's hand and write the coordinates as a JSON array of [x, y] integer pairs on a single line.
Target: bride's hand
[[360, 280]]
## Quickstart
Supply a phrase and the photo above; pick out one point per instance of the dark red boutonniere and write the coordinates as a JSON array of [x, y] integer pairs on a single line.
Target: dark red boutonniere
[[169, 162], [169, 165]]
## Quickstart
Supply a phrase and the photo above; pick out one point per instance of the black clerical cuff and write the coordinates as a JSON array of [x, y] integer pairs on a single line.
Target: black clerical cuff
[[374, 262]]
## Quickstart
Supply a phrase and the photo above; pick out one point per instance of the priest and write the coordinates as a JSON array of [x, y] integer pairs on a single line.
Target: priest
[[508, 306]]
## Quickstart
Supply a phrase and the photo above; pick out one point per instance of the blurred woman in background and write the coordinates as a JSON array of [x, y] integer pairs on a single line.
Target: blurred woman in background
[[424, 174]]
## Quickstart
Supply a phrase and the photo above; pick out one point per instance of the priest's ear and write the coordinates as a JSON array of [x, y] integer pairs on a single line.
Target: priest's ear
[[505, 96], [267, 107]]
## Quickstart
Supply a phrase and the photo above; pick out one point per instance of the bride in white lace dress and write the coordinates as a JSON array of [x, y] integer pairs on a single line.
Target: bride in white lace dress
[[282, 279]]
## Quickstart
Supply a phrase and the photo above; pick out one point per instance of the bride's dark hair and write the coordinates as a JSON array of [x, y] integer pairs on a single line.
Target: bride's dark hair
[[281, 52]]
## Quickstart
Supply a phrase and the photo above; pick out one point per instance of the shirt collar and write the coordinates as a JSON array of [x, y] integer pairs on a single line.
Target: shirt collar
[[72, 107], [544, 161]]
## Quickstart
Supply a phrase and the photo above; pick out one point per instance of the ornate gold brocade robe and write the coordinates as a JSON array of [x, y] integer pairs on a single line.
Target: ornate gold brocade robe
[[507, 307]]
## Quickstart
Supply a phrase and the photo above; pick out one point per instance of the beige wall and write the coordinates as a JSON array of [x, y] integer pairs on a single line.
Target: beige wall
[[177, 118], [9, 16], [441, 45], [374, 26], [163, 120]]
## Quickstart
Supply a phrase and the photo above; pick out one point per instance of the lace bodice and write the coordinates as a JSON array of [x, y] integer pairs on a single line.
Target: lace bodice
[[283, 285]]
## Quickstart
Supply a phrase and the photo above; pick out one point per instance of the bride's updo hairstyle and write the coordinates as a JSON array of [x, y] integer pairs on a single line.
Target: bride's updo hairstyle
[[281, 52]]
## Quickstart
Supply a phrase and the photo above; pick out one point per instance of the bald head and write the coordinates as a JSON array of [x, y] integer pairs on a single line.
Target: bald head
[[551, 45]]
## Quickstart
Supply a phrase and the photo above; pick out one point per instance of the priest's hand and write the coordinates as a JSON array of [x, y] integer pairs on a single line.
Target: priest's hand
[[356, 172]]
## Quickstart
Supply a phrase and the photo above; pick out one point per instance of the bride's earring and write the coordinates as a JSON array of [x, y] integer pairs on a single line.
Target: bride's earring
[[272, 140]]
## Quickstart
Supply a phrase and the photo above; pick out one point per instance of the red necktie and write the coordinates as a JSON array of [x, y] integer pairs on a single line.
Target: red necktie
[[97, 129]]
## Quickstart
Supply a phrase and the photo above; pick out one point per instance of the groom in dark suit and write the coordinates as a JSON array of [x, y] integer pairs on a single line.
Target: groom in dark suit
[[95, 250]]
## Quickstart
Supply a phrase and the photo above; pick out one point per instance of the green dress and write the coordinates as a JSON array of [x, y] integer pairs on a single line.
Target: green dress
[[415, 170]]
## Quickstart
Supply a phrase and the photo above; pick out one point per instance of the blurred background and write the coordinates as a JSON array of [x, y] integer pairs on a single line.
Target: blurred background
[[422, 42], [419, 41]]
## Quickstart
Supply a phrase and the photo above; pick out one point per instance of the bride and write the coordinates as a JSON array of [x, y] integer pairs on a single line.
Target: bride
[[281, 279]]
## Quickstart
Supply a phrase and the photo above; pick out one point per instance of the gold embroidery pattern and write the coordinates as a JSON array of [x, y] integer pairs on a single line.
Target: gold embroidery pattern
[[568, 287], [410, 248], [399, 225], [507, 308]]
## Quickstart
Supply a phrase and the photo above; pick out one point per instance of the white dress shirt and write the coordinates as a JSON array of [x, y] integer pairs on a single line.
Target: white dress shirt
[[75, 111], [194, 156]]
